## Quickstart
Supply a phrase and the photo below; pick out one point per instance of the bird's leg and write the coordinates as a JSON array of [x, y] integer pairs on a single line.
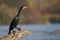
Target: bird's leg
[[18, 28], [14, 32]]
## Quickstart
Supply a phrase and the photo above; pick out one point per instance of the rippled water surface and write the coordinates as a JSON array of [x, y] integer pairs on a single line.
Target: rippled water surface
[[38, 32]]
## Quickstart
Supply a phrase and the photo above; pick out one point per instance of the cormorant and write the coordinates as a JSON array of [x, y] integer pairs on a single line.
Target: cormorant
[[15, 20]]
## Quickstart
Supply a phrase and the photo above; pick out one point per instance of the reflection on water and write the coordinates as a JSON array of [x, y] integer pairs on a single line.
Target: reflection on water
[[38, 32]]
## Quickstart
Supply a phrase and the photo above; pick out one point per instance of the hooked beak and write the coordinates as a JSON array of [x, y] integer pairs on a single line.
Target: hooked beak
[[24, 7]]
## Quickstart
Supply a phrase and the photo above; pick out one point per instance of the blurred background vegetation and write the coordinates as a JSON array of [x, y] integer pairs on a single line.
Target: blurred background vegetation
[[38, 11]]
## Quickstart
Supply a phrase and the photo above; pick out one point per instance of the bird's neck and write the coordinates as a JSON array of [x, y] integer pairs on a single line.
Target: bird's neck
[[19, 12]]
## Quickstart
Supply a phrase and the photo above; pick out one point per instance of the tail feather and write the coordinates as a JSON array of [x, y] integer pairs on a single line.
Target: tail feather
[[9, 32]]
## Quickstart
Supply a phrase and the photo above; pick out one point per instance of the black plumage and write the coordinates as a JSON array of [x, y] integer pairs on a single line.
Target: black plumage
[[15, 21]]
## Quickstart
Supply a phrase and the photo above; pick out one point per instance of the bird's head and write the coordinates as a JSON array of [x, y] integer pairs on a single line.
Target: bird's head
[[23, 7]]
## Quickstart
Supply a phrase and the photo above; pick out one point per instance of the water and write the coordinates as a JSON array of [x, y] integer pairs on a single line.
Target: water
[[38, 32]]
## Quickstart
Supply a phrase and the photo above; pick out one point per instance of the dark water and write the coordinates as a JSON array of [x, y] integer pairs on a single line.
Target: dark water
[[38, 32]]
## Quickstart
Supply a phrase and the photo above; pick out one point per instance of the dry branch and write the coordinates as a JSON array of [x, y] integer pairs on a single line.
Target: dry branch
[[18, 35]]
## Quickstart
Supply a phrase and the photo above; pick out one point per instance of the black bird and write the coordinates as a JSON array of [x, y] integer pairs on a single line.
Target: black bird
[[15, 20]]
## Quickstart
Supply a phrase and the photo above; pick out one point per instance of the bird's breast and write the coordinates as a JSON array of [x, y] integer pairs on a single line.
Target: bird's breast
[[14, 22]]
